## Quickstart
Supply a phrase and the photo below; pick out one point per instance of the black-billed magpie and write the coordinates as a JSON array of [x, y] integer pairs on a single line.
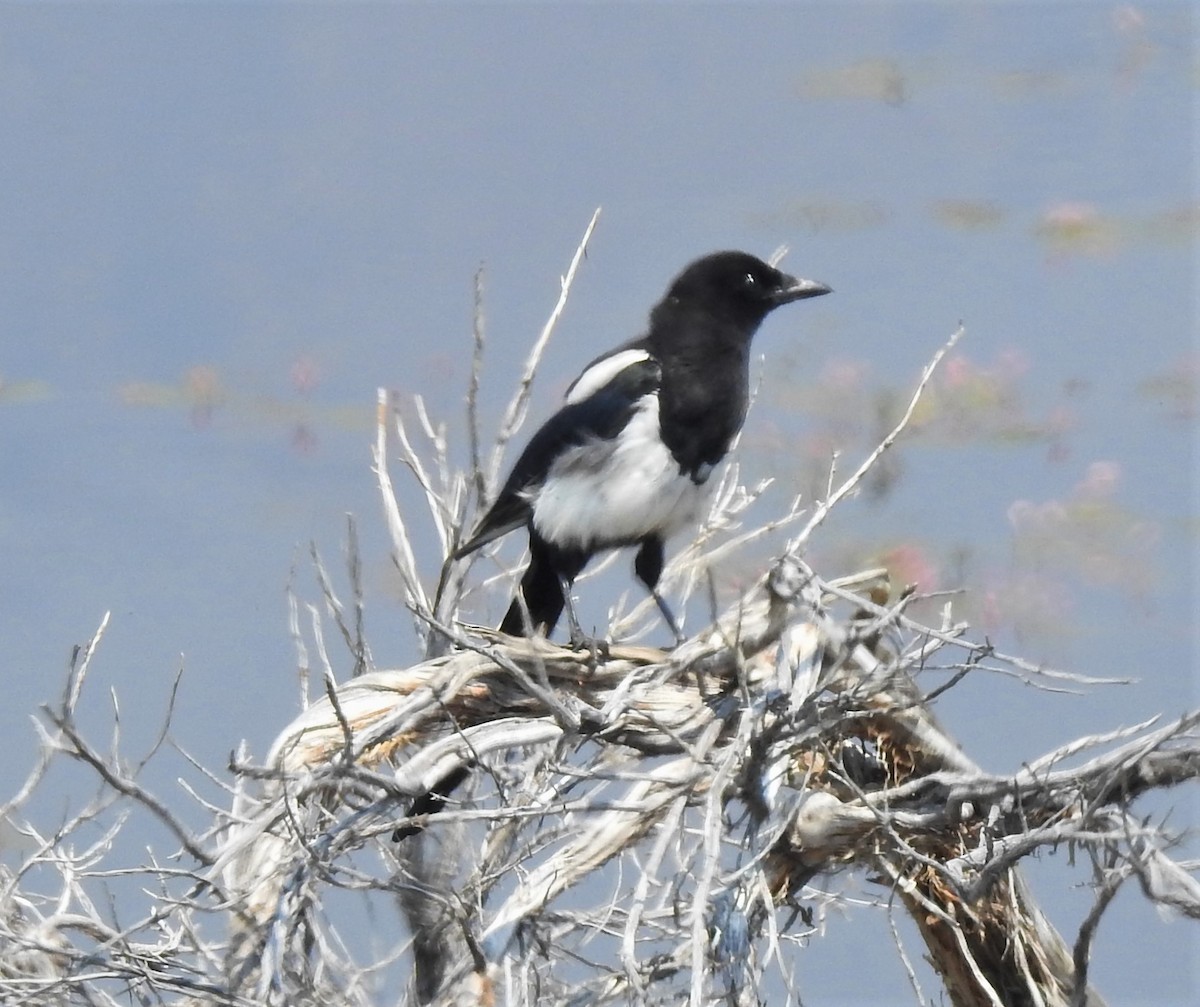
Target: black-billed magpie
[[626, 460]]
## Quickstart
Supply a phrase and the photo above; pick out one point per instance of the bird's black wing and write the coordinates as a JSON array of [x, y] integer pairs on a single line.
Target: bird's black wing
[[600, 416]]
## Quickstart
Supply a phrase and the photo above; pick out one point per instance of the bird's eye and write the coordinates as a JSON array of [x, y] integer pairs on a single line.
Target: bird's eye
[[749, 280]]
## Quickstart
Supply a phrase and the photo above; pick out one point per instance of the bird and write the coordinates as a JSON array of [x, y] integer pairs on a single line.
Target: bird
[[626, 461]]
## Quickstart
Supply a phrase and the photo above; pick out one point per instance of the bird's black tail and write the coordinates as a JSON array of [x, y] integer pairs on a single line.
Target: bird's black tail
[[542, 588]]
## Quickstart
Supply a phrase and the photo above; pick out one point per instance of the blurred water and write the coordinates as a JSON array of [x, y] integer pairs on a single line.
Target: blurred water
[[222, 228]]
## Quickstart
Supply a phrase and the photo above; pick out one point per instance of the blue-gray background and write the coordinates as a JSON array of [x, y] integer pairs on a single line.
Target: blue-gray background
[[222, 226]]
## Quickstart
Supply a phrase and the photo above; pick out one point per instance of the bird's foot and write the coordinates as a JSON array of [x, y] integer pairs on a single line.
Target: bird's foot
[[597, 646], [579, 640]]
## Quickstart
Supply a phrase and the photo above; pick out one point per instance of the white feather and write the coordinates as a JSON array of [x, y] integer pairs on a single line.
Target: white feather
[[601, 373], [609, 493]]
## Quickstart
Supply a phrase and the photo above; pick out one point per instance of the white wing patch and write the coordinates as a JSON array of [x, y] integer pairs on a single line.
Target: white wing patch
[[612, 493], [601, 373]]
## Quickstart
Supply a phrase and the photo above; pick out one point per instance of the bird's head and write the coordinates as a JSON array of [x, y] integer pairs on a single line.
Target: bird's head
[[738, 287]]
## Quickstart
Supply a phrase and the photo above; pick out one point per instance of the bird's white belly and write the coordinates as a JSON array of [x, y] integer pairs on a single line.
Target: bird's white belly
[[610, 493]]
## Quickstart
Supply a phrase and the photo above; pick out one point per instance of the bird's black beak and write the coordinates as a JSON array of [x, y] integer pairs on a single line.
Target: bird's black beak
[[792, 289]]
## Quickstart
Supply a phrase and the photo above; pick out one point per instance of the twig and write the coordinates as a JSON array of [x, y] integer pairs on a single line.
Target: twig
[[825, 506], [514, 416], [81, 660], [478, 479]]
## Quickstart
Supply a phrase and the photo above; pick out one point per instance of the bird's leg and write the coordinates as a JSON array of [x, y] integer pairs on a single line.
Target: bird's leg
[[544, 590], [648, 565], [668, 616], [579, 639]]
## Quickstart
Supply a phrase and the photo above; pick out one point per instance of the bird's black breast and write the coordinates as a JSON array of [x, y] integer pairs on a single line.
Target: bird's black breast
[[702, 403]]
